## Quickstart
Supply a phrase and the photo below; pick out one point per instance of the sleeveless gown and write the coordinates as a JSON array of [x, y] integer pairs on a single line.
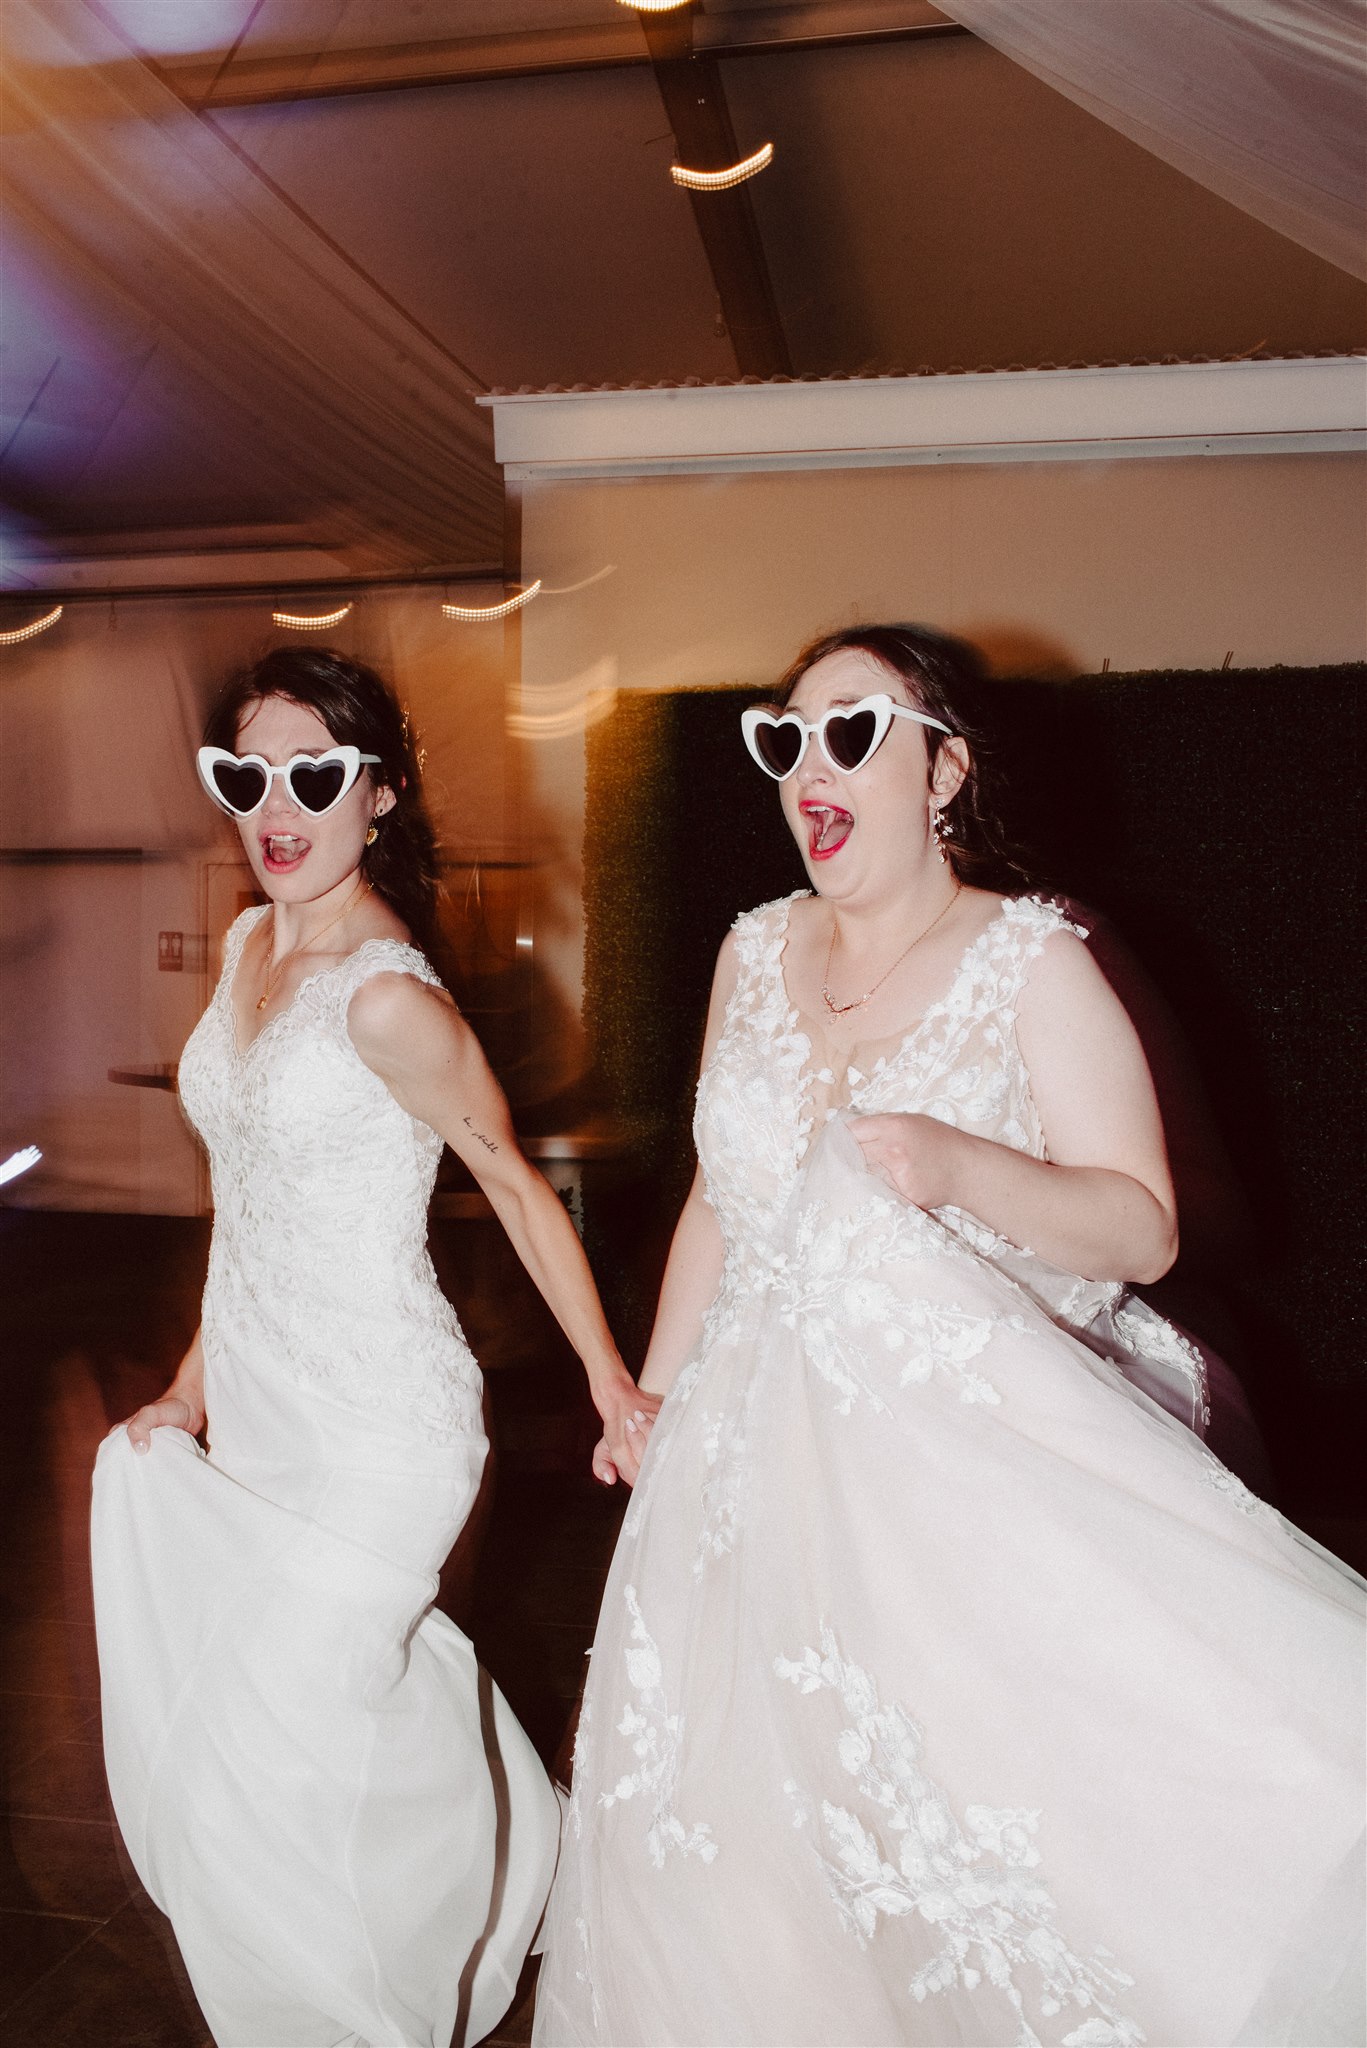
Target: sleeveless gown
[[349, 1831], [946, 1689]]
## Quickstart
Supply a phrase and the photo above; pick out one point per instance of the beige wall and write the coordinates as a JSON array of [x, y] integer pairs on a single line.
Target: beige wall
[[99, 719], [1145, 563]]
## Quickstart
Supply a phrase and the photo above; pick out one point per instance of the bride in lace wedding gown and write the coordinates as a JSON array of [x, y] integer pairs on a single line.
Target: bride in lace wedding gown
[[352, 1836], [946, 1689]]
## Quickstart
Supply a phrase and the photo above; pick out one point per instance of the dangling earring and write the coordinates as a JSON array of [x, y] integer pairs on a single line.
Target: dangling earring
[[372, 835], [943, 831]]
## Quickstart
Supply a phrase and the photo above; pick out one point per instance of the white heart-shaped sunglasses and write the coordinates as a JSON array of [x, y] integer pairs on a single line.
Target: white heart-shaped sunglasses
[[849, 735], [316, 783]]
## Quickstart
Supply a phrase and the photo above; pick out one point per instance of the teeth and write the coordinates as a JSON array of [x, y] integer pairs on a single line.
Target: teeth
[[283, 845]]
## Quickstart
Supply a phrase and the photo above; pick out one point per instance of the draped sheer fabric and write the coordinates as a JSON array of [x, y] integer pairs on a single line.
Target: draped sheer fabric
[[1260, 100], [105, 161]]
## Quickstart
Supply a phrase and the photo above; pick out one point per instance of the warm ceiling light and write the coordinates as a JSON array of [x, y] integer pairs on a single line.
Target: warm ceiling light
[[721, 181], [482, 614], [303, 624], [27, 632], [652, 6]]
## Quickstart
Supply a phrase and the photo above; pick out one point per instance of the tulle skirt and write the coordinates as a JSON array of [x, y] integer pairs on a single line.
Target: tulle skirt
[[947, 1691]]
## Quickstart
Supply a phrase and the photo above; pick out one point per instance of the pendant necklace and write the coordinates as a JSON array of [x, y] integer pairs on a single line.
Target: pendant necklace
[[273, 974], [843, 1009]]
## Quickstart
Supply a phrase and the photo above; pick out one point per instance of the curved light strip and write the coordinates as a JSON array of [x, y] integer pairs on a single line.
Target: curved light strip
[[477, 614], [721, 181], [558, 725], [306, 625], [27, 632], [652, 6], [18, 1162]]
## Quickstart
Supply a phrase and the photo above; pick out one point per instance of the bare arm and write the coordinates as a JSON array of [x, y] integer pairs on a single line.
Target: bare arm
[[693, 1270], [1101, 1204], [427, 1056], [692, 1276]]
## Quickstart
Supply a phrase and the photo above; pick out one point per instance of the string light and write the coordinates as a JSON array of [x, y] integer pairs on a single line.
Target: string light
[[27, 632], [722, 181], [652, 6], [18, 1162], [483, 614], [301, 624]]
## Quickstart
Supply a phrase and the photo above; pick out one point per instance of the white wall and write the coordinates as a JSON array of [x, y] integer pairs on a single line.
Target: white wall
[[1061, 566]]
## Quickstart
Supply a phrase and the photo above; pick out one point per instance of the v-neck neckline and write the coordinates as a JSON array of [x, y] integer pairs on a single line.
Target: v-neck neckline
[[241, 1052], [898, 1043]]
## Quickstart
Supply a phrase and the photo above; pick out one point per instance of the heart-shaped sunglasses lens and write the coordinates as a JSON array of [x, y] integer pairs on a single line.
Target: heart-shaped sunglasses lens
[[778, 746], [315, 787], [241, 784], [850, 740]]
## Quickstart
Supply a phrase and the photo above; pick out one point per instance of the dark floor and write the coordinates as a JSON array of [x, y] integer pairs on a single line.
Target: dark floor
[[95, 1313]]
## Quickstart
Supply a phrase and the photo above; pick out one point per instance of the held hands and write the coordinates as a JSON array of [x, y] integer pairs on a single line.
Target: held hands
[[920, 1158], [172, 1411], [628, 1417]]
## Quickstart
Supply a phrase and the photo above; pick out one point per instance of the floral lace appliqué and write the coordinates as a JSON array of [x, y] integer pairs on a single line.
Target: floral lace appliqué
[[835, 1295], [974, 1881], [654, 1736]]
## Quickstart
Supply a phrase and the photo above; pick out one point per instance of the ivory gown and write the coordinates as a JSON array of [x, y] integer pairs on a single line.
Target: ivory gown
[[352, 1836], [946, 1689]]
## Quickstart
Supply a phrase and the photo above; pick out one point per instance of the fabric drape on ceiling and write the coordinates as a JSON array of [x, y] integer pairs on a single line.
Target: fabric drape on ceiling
[[363, 405], [1260, 100]]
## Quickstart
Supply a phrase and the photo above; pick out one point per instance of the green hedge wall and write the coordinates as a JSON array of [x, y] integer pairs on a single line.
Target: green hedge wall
[[1214, 816]]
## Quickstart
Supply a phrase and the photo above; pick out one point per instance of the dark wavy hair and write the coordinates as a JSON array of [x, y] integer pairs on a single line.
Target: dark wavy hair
[[359, 709], [944, 677]]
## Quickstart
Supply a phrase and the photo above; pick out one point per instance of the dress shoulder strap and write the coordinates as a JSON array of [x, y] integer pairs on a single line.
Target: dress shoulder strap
[[760, 934], [381, 956], [1025, 926], [236, 938]]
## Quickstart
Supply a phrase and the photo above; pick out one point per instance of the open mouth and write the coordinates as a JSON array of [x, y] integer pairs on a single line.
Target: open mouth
[[828, 827], [282, 852]]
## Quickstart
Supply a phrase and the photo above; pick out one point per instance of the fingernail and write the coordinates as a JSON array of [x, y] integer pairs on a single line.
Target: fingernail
[[640, 1414], [143, 1448], [631, 1427]]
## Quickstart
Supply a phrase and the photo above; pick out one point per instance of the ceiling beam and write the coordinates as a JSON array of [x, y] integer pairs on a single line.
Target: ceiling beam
[[281, 76], [695, 103]]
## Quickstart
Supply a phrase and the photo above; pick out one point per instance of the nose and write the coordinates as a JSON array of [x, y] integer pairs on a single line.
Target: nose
[[279, 803]]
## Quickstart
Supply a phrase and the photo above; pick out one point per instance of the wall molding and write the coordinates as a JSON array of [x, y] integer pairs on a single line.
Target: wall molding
[[1312, 405]]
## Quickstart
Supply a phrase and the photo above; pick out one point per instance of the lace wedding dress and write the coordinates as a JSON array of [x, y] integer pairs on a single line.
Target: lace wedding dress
[[352, 1836], [946, 1689]]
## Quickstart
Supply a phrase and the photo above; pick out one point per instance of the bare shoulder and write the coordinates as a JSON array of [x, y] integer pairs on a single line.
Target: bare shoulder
[[391, 1009], [1065, 990]]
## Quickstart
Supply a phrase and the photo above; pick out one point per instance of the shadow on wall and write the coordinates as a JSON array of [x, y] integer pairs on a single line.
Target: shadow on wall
[[1192, 812]]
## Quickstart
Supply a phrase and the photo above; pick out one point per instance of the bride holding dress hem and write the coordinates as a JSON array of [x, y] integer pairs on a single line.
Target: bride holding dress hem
[[351, 1834], [946, 1689]]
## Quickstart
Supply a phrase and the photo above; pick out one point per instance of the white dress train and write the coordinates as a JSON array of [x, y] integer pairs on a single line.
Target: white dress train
[[946, 1690], [351, 1835]]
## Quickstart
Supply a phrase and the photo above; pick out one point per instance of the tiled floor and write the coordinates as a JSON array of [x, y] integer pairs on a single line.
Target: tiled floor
[[96, 1310]]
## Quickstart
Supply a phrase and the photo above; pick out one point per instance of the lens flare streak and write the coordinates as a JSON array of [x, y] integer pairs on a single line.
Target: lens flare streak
[[17, 1163]]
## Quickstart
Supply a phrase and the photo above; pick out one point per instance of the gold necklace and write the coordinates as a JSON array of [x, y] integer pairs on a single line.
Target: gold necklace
[[843, 1009], [273, 974]]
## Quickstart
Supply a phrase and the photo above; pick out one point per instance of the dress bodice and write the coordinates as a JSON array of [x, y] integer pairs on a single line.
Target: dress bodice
[[769, 1086], [321, 1184]]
